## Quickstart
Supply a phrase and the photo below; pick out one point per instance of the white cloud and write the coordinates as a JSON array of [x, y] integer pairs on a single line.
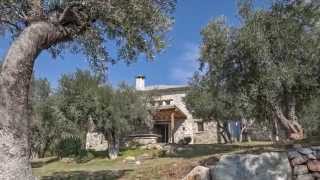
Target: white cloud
[[186, 64]]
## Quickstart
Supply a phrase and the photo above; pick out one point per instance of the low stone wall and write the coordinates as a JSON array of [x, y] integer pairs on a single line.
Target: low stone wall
[[297, 164], [144, 139], [305, 163]]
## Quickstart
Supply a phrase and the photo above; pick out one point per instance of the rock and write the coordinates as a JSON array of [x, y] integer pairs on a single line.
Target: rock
[[314, 165], [299, 160], [311, 156], [305, 151], [130, 158], [305, 177], [295, 146], [138, 162], [300, 169], [169, 150], [144, 157], [316, 174], [67, 160], [293, 154], [316, 148], [154, 146], [317, 154], [198, 173], [265, 166], [211, 161]]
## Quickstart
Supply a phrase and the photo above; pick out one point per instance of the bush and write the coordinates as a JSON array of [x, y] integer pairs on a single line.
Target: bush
[[69, 147], [84, 156], [185, 141]]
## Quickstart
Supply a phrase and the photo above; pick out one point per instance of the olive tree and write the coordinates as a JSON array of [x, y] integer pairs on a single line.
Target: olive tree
[[83, 26], [266, 69], [49, 125], [119, 113]]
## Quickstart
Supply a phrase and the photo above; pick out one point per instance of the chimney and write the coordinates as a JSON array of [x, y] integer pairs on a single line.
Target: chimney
[[140, 82]]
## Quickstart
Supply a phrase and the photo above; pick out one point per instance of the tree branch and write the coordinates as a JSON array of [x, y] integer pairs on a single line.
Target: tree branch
[[11, 24]]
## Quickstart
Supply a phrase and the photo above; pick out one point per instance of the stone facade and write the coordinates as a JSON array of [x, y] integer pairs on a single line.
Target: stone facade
[[208, 136], [188, 127], [96, 141]]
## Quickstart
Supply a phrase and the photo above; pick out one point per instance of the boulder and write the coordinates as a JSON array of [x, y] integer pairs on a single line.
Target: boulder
[[311, 156], [265, 166], [67, 160], [300, 169], [316, 175], [305, 177], [305, 151], [293, 154], [299, 160], [314, 165], [169, 150], [130, 158], [317, 154], [316, 148], [198, 173]]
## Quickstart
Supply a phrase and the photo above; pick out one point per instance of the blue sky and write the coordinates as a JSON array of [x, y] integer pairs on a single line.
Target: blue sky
[[173, 66]]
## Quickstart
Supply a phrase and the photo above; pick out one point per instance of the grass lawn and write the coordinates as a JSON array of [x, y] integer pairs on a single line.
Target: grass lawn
[[173, 167]]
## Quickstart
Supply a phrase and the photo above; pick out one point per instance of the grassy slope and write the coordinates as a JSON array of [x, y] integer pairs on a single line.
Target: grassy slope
[[173, 167]]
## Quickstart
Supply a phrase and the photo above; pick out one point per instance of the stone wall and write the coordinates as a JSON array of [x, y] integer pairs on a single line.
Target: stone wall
[[305, 163], [188, 127], [208, 136], [96, 141]]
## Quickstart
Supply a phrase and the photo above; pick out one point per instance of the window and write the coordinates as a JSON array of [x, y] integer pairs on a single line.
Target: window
[[200, 126], [153, 103], [168, 102]]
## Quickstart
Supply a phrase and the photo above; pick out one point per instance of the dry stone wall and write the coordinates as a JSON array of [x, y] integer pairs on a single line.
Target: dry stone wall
[[305, 163], [297, 164], [96, 141]]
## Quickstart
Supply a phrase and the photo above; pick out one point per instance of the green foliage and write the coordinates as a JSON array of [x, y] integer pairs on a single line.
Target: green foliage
[[122, 111], [49, 125], [271, 59], [311, 117], [84, 156], [77, 98], [133, 27], [69, 147], [114, 112]]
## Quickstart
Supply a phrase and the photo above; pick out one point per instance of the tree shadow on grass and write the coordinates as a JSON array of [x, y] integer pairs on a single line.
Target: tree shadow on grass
[[198, 150], [85, 175]]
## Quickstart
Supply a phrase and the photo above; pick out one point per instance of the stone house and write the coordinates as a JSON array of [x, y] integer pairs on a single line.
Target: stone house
[[172, 120]]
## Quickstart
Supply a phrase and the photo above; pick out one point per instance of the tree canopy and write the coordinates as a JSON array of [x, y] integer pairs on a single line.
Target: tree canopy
[[91, 27], [80, 105], [265, 69]]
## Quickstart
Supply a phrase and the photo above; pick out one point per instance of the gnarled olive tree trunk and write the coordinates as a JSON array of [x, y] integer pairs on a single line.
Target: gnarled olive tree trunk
[[15, 80], [290, 122], [113, 145]]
